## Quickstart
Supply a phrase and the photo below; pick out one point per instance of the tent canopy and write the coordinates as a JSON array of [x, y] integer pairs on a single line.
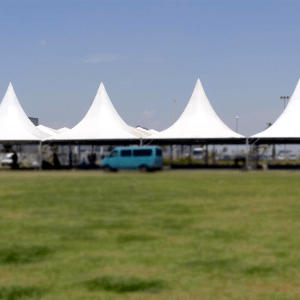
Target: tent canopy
[[288, 123], [102, 122], [15, 126], [47, 130], [198, 121]]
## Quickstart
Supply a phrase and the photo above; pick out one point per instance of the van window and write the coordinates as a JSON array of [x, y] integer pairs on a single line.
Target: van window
[[126, 153], [158, 152], [142, 152]]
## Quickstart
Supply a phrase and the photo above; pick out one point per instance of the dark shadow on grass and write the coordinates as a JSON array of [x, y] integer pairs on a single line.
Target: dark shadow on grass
[[211, 265], [258, 270], [127, 238], [125, 284], [18, 254], [15, 292]]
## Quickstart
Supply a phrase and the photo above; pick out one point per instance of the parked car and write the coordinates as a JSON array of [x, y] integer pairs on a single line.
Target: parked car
[[292, 156], [7, 160], [198, 153], [143, 158]]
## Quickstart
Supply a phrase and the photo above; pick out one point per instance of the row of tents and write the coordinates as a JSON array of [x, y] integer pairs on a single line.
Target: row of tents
[[102, 124]]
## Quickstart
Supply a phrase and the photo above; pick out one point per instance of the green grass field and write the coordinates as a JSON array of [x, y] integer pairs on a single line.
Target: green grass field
[[169, 235]]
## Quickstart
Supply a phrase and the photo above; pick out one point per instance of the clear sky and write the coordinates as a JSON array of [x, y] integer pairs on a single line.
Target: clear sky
[[149, 53]]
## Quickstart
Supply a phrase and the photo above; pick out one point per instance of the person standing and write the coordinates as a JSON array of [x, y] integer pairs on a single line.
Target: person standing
[[15, 164]]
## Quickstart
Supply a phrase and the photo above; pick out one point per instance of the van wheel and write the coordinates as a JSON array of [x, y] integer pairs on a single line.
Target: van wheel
[[143, 169]]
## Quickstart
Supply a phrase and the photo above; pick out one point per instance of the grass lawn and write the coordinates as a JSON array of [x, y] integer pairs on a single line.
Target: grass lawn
[[169, 235]]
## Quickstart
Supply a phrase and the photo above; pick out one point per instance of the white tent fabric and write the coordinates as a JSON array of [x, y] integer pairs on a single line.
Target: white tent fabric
[[142, 132], [152, 131], [288, 123], [102, 122], [14, 123], [61, 130], [199, 120], [47, 130]]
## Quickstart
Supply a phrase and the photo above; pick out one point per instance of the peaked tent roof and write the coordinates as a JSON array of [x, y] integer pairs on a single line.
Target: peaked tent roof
[[47, 130], [288, 123], [198, 121], [102, 122], [152, 131], [63, 129], [142, 132], [14, 123]]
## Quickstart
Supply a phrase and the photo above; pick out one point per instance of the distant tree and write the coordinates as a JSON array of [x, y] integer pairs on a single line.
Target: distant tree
[[269, 124]]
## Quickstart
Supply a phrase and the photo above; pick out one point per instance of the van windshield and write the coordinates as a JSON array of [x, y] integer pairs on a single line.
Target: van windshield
[[113, 154]]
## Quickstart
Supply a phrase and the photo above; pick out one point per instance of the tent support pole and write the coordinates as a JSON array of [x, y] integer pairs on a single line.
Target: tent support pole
[[273, 152], [256, 155], [79, 156], [141, 142], [175, 151], [206, 154], [70, 156], [40, 155], [181, 151], [247, 154]]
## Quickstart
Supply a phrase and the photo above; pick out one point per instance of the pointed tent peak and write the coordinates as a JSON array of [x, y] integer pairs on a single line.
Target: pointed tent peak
[[10, 95], [199, 90], [199, 99], [101, 87], [198, 82], [102, 106], [101, 94], [10, 88]]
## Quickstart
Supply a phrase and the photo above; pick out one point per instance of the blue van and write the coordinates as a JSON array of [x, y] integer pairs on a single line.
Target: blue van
[[142, 158]]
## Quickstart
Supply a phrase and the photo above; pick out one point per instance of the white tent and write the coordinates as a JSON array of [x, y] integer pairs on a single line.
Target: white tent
[[102, 122], [15, 126], [288, 123], [152, 131], [198, 121], [63, 129], [51, 131], [47, 130], [142, 132]]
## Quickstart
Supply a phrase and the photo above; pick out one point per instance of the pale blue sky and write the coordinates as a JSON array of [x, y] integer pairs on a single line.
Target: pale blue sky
[[149, 53]]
